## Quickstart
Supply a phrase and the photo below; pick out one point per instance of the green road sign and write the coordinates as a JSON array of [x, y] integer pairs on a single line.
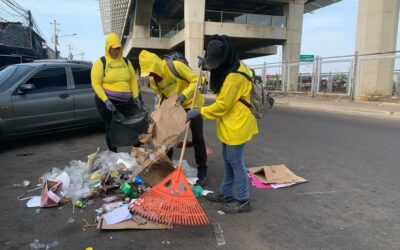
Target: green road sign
[[306, 58]]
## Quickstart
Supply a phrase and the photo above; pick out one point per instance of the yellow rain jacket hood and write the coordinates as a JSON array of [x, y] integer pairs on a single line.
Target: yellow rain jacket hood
[[169, 84], [117, 76], [235, 122]]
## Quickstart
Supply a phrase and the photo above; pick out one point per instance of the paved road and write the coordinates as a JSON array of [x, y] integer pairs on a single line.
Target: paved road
[[350, 202]]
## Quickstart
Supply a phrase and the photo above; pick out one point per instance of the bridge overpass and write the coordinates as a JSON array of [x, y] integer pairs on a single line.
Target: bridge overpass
[[255, 26]]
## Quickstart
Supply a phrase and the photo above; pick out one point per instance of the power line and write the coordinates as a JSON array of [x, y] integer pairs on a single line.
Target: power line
[[14, 8]]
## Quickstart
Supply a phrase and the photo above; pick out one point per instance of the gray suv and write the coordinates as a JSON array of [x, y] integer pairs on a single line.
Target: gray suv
[[45, 96]]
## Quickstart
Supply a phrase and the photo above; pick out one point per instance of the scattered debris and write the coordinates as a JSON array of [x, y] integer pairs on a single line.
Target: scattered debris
[[34, 202], [276, 176], [37, 245], [219, 234], [70, 220], [86, 225]]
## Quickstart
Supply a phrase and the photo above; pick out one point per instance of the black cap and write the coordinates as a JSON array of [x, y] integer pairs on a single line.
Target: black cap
[[215, 54]]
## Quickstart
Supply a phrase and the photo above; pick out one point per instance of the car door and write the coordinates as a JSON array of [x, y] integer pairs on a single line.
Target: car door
[[46, 107], [83, 94]]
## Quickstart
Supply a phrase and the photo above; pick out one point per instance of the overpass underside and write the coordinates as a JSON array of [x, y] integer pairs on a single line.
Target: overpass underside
[[255, 27]]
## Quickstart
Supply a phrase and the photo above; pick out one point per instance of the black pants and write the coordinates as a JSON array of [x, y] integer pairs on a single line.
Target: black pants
[[200, 153], [106, 115]]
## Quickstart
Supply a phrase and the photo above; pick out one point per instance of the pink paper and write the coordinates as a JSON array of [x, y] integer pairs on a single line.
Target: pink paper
[[256, 183]]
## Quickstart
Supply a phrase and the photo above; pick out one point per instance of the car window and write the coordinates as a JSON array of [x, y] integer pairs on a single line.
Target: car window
[[81, 78], [47, 80], [11, 74]]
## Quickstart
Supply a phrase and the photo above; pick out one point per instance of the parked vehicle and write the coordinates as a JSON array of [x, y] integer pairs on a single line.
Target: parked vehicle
[[46, 96]]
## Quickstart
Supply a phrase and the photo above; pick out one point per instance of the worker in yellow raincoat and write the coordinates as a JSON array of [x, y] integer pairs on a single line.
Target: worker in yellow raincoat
[[236, 125], [114, 82], [165, 83]]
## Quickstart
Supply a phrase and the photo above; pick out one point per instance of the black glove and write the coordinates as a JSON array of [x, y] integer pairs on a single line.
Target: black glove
[[192, 114], [181, 99], [138, 102], [110, 106]]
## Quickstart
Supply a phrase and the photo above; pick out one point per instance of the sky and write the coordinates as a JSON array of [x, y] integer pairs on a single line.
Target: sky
[[329, 31]]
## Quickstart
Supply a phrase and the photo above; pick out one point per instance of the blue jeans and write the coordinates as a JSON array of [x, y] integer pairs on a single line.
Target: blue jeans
[[234, 173]]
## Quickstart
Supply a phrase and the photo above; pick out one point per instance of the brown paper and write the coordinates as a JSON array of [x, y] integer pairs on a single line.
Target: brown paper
[[169, 122], [275, 174]]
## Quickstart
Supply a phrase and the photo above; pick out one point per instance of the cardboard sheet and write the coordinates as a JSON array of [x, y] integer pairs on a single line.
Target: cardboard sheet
[[155, 165], [129, 224], [275, 174]]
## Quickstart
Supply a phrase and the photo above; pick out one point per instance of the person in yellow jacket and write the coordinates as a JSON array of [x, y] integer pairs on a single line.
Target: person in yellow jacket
[[236, 124], [165, 83], [114, 83]]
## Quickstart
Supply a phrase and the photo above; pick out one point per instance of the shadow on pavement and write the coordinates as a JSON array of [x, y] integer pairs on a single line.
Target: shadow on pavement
[[40, 139]]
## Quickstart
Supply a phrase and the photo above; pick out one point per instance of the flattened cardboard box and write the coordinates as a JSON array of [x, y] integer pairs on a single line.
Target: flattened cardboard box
[[129, 224], [155, 165], [275, 174]]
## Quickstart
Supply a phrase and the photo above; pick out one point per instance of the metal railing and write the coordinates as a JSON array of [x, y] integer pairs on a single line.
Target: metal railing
[[341, 75], [244, 18], [167, 31]]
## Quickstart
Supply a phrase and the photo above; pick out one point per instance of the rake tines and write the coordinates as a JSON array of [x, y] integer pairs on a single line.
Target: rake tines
[[171, 202]]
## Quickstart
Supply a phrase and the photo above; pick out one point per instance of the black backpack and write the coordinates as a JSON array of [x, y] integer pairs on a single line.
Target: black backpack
[[103, 60], [175, 56]]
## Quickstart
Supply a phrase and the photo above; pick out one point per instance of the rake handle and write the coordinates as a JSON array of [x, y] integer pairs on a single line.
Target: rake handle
[[199, 75]]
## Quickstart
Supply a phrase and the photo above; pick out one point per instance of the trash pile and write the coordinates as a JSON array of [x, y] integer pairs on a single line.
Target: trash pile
[[118, 178]]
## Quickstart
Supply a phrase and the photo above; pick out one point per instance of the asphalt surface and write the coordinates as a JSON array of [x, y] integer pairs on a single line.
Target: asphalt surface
[[351, 201]]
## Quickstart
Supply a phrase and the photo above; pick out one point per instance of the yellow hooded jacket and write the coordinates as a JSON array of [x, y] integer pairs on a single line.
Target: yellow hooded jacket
[[117, 76], [235, 122], [170, 84]]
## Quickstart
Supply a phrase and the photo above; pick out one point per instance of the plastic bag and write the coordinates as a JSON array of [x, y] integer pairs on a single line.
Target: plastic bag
[[188, 171], [108, 160], [127, 124]]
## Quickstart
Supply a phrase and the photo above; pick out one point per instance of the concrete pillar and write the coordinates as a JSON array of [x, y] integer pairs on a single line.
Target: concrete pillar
[[376, 33], [142, 18], [194, 30], [293, 11]]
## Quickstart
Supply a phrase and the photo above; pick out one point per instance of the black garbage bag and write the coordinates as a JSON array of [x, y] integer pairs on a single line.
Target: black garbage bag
[[127, 124]]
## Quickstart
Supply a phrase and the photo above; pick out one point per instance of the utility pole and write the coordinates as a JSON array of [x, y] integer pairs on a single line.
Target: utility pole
[[55, 37], [30, 23], [70, 47], [80, 54]]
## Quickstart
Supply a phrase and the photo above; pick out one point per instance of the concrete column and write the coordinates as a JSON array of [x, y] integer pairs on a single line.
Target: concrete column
[[194, 30], [293, 11], [142, 17], [376, 33]]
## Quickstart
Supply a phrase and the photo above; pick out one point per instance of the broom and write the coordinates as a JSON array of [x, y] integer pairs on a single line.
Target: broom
[[171, 201]]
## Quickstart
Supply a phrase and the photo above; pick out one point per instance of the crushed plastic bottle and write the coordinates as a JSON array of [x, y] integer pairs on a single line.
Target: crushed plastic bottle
[[219, 234], [37, 245], [70, 220]]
